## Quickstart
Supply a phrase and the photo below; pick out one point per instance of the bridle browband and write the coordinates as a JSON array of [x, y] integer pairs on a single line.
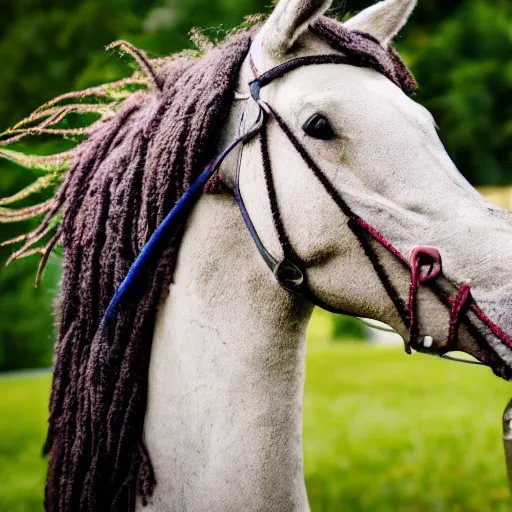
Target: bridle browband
[[424, 264]]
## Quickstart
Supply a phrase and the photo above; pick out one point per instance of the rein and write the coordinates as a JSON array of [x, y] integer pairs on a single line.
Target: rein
[[424, 264]]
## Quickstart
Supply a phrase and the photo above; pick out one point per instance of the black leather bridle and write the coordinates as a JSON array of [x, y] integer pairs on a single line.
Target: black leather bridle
[[290, 271], [424, 263]]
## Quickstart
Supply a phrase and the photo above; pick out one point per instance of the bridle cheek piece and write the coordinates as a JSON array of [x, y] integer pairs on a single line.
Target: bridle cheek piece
[[424, 263]]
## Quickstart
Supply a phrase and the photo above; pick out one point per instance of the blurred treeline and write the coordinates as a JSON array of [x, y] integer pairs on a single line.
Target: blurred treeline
[[460, 51]]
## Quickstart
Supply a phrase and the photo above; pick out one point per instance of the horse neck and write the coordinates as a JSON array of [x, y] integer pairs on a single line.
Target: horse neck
[[224, 418]]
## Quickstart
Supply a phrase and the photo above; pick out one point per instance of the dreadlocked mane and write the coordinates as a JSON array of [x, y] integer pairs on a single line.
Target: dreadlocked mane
[[119, 183]]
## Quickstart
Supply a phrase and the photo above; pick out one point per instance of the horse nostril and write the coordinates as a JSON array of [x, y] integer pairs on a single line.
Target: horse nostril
[[427, 260]]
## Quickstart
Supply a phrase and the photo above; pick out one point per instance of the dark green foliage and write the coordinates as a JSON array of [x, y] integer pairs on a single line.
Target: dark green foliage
[[466, 72], [26, 332], [346, 327], [460, 50], [26, 322]]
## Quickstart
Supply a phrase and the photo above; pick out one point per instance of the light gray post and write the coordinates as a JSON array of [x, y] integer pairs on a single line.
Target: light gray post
[[507, 439]]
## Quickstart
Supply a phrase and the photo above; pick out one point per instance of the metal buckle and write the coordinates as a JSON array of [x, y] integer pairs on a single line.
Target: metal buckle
[[289, 276]]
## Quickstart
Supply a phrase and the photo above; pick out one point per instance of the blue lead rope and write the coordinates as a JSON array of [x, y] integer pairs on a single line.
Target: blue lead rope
[[164, 232], [153, 247]]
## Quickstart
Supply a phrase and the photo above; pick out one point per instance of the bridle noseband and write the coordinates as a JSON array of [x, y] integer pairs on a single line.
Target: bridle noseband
[[424, 264]]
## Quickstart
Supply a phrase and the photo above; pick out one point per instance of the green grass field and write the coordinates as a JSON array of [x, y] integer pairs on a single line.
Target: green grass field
[[382, 432]]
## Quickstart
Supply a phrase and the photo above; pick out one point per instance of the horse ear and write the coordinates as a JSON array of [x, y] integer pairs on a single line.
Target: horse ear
[[383, 20], [287, 22]]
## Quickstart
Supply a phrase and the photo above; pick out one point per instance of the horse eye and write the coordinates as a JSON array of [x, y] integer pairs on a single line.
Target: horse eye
[[318, 127]]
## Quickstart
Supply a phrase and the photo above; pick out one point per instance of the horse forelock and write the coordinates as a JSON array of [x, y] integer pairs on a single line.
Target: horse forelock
[[366, 51]]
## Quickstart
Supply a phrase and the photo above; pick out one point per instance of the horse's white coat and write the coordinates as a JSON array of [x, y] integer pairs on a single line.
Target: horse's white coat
[[224, 418]]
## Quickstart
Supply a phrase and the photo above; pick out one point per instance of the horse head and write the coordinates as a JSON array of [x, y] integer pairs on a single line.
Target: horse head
[[362, 192]]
